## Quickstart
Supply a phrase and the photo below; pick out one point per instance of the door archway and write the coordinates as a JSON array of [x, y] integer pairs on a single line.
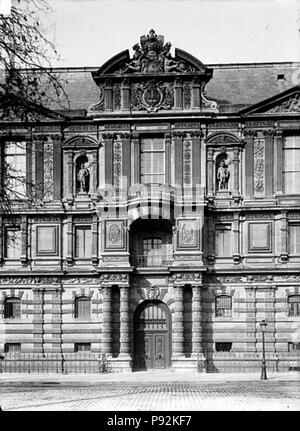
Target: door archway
[[152, 336]]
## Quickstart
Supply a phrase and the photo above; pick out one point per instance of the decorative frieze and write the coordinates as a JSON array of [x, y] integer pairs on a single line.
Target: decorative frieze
[[186, 277], [114, 278]]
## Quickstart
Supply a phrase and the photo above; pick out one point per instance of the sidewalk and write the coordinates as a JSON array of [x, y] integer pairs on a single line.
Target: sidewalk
[[144, 377]]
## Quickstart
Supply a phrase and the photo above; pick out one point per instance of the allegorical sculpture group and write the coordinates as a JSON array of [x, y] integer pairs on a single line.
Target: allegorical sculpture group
[[151, 56]]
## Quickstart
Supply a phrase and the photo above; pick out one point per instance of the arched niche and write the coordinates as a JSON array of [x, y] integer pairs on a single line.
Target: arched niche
[[82, 174]]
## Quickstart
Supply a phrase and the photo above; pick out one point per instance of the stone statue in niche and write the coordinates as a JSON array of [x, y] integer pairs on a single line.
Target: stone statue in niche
[[82, 175], [223, 175]]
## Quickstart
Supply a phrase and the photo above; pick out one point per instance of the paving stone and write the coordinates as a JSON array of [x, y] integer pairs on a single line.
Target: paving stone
[[154, 396]]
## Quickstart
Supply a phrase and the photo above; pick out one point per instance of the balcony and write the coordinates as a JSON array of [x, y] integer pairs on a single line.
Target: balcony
[[157, 260]]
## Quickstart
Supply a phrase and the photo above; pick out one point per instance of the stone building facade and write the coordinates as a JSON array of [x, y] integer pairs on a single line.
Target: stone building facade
[[164, 219]]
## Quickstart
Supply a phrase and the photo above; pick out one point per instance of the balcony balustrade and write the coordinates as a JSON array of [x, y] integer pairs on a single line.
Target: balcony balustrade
[[152, 260]]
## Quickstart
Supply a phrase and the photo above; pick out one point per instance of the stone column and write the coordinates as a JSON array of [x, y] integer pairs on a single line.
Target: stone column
[[125, 95], [1, 238], [279, 153], [178, 94], [236, 171], [236, 233], [94, 176], [284, 237], [167, 158], [136, 158], [210, 172], [23, 256], [69, 254], [38, 320], [69, 178], [107, 321], [178, 338], [124, 322], [95, 240], [196, 321], [108, 96], [196, 99]]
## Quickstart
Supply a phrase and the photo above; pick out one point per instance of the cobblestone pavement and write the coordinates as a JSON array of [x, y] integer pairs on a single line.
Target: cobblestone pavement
[[151, 396]]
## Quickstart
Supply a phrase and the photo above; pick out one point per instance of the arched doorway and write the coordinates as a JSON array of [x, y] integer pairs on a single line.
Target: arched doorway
[[152, 336]]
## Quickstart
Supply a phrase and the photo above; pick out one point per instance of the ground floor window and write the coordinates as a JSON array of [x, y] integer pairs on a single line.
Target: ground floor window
[[294, 305], [223, 306], [293, 346], [223, 347], [12, 347], [82, 347]]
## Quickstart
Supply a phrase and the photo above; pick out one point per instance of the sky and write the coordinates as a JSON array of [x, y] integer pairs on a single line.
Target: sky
[[89, 32]]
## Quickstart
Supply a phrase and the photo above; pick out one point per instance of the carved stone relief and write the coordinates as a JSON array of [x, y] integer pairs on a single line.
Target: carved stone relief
[[292, 104], [117, 164], [187, 161], [48, 171], [152, 96], [152, 55], [259, 166]]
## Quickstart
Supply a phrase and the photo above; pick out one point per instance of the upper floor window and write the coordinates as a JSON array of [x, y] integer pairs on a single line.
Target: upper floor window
[[82, 307], [12, 244], [12, 308], [15, 168], [152, 161], [291, 164], [294, 305], [83, 242], [223, 240], [152, 251], [223, 306], [294, 238]]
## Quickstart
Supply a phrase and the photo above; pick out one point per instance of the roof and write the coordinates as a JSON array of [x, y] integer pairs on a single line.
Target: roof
[[233, 86]]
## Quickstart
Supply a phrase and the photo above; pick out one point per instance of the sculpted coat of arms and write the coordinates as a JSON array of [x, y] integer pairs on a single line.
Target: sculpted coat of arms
[[153, 56]]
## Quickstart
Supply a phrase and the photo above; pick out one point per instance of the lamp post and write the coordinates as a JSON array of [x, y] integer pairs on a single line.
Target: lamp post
[[263, 326]]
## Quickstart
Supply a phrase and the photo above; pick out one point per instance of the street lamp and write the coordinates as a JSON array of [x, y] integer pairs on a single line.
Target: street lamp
[[263, 326]]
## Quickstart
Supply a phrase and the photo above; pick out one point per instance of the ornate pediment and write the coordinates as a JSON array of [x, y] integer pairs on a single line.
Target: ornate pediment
[[287, 102], [150, 56], [152, 80]]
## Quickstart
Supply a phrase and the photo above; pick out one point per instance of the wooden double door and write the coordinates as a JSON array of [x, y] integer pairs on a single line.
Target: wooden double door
[[152, 344]]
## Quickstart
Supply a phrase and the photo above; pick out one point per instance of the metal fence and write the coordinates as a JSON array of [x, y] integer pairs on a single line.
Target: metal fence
[[53, 363], [94, 363], [246, 363]]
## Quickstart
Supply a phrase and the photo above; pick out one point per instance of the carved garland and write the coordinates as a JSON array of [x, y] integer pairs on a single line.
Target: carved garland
[[259, 165], [117, 167], [48, 171], [187, 161]]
